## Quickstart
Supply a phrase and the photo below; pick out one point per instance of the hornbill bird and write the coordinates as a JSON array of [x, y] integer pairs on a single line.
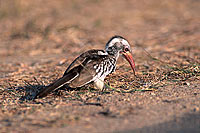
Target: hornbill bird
[[93, 66]]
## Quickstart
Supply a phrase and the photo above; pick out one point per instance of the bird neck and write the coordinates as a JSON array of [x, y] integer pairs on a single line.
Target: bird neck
[[114, 54]]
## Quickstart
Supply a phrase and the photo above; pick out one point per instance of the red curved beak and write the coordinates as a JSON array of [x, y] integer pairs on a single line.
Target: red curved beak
[[129, 58]]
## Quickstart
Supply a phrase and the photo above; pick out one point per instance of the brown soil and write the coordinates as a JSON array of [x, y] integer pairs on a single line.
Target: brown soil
[[40, 38]]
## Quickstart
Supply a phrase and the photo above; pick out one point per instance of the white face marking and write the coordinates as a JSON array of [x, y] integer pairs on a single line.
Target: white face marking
[[122, 41], [125, 42], [115, 40]]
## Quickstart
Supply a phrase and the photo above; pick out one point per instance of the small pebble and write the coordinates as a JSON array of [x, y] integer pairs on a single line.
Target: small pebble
[[196, 109]]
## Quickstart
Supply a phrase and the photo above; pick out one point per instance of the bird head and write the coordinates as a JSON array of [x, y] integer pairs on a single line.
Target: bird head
[[118, 45]]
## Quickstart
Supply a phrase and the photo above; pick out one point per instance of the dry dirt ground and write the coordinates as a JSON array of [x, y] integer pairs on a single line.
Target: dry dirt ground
[[40, 38]]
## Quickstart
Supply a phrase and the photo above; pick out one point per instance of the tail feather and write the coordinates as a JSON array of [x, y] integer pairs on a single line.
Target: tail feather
[[57, 84]]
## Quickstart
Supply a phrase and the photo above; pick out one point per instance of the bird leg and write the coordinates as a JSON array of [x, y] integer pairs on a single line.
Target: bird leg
[[99, 84]]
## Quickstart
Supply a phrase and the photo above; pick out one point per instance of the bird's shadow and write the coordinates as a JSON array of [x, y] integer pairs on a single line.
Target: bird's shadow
[[31, 91]]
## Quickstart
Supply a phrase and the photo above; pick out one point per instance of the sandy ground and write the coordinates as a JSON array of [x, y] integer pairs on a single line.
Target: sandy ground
[[39, 39]]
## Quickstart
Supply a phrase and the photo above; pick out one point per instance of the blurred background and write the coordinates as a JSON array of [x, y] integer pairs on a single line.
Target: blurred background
[[51, 27]]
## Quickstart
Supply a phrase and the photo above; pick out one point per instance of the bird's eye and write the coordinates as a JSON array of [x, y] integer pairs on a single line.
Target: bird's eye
[[126, 49]]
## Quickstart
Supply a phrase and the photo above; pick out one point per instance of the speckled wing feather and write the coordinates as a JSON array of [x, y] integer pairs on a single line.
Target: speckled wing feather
[[87, 61], [80, 72], [82, 58], [87, 74]]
